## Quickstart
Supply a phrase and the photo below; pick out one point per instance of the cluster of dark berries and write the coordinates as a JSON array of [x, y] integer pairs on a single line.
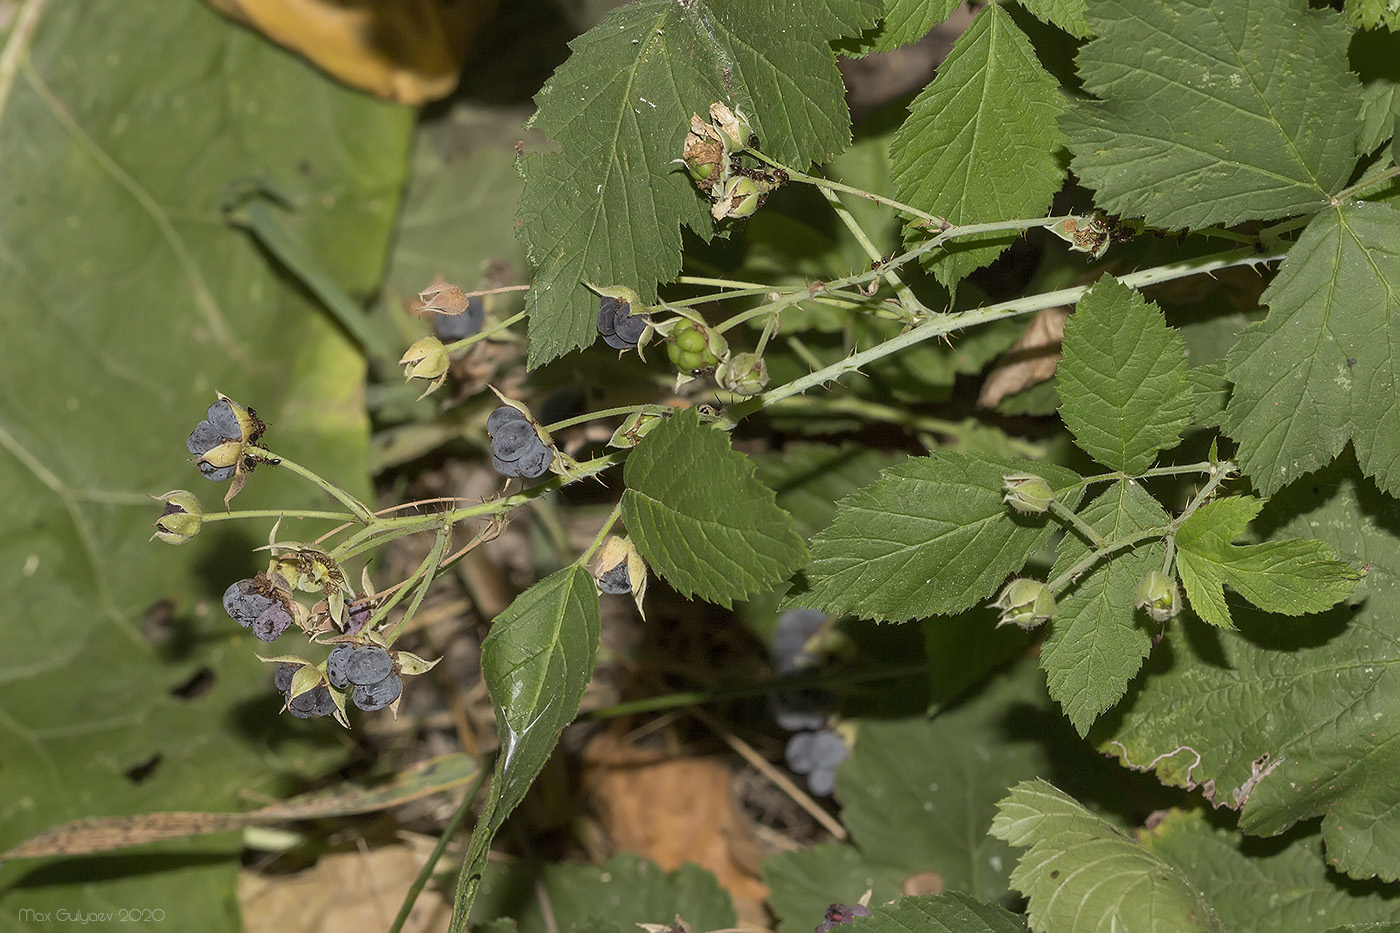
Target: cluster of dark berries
[[315, 702], [219, 439], [369, 669], [460, 326], [616, 581], [838, 914], [621, 329], [516, 448], [258, 607], [816, 754]]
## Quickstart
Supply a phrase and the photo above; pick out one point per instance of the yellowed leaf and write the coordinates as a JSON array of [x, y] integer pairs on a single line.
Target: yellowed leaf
[[1032, 359]]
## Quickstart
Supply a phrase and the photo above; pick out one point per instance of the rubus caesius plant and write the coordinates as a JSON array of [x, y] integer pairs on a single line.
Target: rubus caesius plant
[[1206, 550]]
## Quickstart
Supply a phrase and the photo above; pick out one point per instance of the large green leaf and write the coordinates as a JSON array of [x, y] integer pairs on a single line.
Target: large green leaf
[[699, 517], [1067, 14], [536, 662], [1322, 367], [932, 537], [802, 883], [1082, 873], [809, 479], [1257, 890], [942, 913], [616, 895], [127, 300], [1123, 383], [1097, 639], [1290, 719], [980, 141], [1289, 577], [609, 205], [1242, 111]]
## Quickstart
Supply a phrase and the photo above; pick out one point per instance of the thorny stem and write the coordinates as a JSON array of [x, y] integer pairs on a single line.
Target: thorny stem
[[1066, 514], [1366, 184], [426, 570], [609, 413], [829, 185], [912, 305], [278, 513]]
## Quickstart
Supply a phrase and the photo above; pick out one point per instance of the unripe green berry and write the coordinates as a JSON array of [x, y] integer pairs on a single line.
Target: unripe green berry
[[1027, 493], [1026, 603], [1158, 596]]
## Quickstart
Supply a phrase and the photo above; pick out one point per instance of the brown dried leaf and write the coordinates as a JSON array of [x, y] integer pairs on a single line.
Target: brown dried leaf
[[1031, 360]]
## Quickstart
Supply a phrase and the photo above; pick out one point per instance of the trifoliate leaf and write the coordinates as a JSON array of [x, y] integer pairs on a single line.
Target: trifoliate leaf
[[1290, 719], [1260, 891], [1081, 873], [1321, 368], [537, 662], [980, 141], [1067, 14], [1243, 111], [932, 537], [908, 21], [609, 205], [1123, 383], [1098, 639], [1289, 577], [701, 519]]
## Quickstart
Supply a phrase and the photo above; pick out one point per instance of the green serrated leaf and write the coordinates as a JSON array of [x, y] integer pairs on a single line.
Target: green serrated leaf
[[942, 913], [1259, 891], [700, 518], [1374, 14], [907, 21], [1321, 368], [932, 537], [1122, 380], [1213, 127], [1288, 577], [1081, 873], [537, 662], [619, 109], [1313, 724], [1067, 14], [980, 141], [616, 895], [1098, 639]]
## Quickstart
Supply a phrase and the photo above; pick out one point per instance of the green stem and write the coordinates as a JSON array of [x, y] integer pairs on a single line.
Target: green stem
[[1204, 466], [1066, 514], [427, 571], [944, 324], [453, 825], [362, 513], [1366, 184], [1099, 553], [912, 305], [1219, 473], [278, 513], [491, 331], [587, 555], [827, 184], [609, 413]]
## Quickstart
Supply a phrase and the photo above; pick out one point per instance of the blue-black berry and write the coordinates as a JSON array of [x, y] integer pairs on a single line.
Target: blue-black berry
[[314, 702], [460, 326], [282, 677], [370, 697], [336, 665], [615, 582], [512, 440], [368, 665], [501, 416]]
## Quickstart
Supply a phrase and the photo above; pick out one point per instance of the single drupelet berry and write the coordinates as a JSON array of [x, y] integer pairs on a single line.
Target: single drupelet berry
[[616, 581], [368, 665], [314, 702]]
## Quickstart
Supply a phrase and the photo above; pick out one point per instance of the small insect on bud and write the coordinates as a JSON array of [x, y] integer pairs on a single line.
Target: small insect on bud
[[1026, 603], [181, 519], [743, 374], [1027, 493], [1158, 596], [1085, 233], [427, 360]]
